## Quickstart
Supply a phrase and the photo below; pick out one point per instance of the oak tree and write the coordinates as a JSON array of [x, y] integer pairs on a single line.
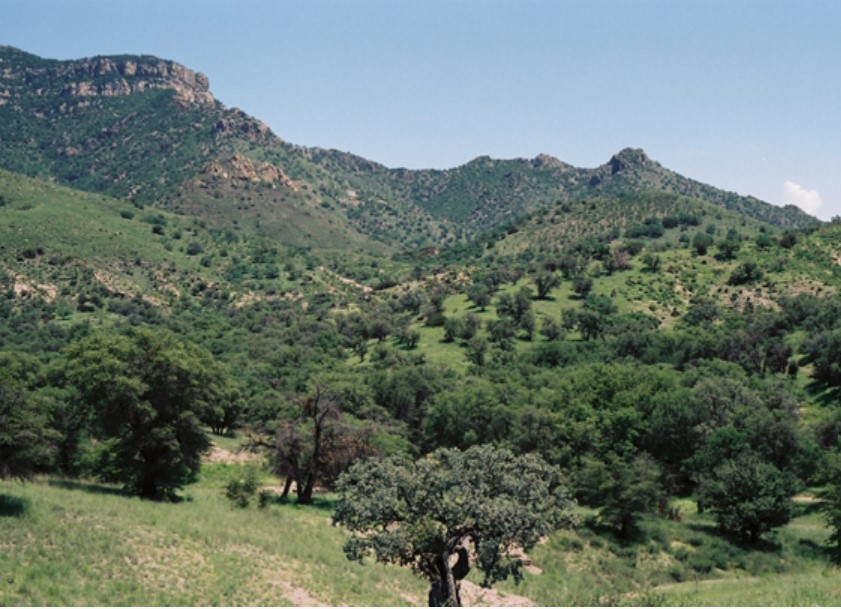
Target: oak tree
[[435, 513]]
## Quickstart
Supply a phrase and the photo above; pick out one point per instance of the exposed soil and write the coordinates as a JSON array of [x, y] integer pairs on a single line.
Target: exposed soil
[[297, 596], [476, 596], [220, 455]]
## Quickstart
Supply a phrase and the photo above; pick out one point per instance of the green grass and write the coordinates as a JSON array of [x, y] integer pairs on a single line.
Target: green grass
[[686, 563], [70, 543]]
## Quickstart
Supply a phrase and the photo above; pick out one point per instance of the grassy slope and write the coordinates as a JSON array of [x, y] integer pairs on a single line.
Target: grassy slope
[[685, 563], [71, 543], [809, 267], [78, 544], [83, 232]]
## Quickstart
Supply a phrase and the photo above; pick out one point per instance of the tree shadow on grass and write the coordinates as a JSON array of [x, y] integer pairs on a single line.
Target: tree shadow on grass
[[823, 394], [808, 548], [809, 508], [760, 545], [636, 534], [88, 487], [13, 507], [318, 503]]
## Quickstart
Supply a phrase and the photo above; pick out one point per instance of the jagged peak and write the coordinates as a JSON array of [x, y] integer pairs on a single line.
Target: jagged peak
[[632, 155], [627, 158], [547, 160]]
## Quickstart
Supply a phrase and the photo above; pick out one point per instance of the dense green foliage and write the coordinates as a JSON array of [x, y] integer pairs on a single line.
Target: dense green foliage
[[661, 344], [149, 393], [748, 496], [24, 434], [423, 513]]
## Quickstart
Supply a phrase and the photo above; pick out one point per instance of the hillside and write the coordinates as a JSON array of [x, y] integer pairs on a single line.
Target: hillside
[[149, 130], [487, 193], [197, 317], [607, 218], [83, 253]]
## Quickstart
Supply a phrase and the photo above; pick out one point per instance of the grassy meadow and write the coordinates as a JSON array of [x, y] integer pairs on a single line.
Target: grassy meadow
[[75, 543], [83, 543]]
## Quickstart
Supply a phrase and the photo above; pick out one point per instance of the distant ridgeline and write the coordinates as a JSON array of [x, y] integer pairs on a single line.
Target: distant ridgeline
[[149, 130]]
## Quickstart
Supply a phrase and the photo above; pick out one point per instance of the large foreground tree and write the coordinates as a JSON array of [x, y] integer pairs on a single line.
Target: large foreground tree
[[150, 392], [434, 513]]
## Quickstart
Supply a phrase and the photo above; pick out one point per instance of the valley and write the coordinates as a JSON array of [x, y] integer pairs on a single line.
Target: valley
[[229, 363]]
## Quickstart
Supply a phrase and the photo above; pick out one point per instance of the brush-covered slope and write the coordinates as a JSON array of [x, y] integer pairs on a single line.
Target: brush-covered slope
[[83, 251], [606, 218], [149, 130], [486, 193]]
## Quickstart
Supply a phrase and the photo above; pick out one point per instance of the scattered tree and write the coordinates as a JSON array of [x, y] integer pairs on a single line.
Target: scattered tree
[[748, 496], [651, 262], [582, 285], [149, 391], [701, 243], [25, 442], [317, 445], [746, 272], [545, 281], [480, 295], [551, 329], [442, 507]]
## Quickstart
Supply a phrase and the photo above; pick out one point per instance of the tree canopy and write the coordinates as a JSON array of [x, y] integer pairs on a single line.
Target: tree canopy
[[422, 514], [24, 437], [150, 391]]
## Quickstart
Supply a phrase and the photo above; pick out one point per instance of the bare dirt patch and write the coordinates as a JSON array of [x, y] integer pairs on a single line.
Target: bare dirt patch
[[476, 596], [297, 596], [23, 288], [250, 298], [220, 455], [346, 280]]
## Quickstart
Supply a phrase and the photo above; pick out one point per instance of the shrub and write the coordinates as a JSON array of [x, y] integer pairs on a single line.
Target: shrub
[[264, 498], [700, 563], [746, 272], [241, 490]]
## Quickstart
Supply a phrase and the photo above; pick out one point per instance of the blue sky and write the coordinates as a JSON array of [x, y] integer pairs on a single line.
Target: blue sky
[[741, 94]]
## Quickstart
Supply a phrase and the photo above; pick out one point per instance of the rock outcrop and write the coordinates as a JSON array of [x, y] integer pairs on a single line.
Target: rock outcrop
[[546, 160], [239, 168], [627, 158], [100, 76]]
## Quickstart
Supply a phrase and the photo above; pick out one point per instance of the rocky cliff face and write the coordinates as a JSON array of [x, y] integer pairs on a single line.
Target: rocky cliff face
[[98, 77]]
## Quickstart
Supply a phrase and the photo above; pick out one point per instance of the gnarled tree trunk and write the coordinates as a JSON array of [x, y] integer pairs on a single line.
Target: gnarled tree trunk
[[444, 590]]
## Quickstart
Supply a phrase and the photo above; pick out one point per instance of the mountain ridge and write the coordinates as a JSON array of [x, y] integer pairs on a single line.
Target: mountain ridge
[[149, 130]]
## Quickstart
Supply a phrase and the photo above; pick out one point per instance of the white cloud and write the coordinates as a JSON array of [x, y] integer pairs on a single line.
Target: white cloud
[[807, 200]]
